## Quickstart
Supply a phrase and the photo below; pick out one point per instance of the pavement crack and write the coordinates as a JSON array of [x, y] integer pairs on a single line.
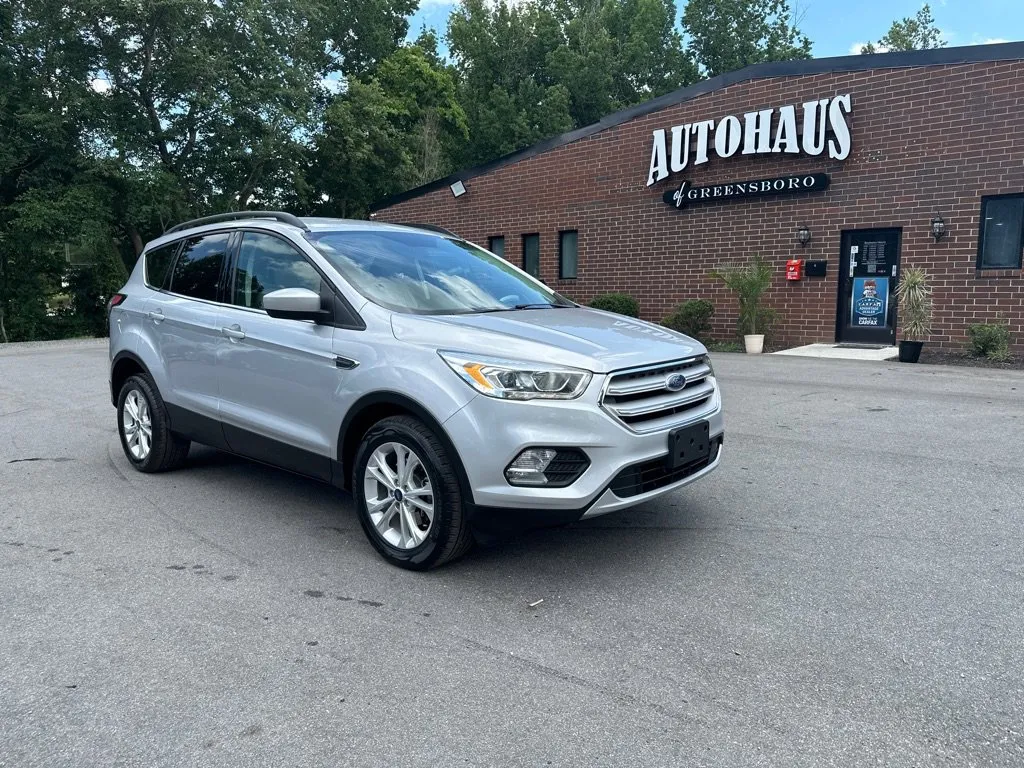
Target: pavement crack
[[619, 697]]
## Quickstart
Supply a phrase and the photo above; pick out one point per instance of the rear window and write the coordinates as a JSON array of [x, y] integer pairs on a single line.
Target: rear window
[[198, 268], [158, 264]]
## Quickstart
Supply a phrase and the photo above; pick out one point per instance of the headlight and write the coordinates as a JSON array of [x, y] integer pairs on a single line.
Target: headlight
[[515, 380]]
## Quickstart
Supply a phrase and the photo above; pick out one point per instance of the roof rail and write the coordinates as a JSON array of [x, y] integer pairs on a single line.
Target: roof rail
[[284, 218], [432, 228]]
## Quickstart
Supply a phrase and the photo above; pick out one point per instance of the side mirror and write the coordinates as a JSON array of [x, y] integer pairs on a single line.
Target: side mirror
[[295, 304]]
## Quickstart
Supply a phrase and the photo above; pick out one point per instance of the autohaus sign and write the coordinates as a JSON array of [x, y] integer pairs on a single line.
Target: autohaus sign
[[766, 131]]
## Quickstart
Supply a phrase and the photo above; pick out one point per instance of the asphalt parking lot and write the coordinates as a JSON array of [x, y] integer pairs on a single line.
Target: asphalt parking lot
[[846, 590]]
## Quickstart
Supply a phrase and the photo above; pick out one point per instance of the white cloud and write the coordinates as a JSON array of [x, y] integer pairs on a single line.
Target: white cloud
[[994, 40], [855, 48], [100, 85]]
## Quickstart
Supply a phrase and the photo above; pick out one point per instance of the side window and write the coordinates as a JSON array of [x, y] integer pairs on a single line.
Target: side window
[[531, 254], [158, 264], [197, 270], [496, 245], [568, 254], [267, 263], [1001, 240]]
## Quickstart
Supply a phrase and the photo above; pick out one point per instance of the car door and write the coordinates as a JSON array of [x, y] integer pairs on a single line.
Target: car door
[[184, 320], [278, 378]]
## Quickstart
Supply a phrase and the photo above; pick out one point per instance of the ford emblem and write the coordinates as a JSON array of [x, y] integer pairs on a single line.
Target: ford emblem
[[675, 382]]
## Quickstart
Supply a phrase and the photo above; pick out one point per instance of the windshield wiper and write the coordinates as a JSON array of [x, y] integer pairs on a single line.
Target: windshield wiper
[[516, 308]]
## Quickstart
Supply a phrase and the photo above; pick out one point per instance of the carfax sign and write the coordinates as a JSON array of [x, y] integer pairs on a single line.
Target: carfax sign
[[870, 305]]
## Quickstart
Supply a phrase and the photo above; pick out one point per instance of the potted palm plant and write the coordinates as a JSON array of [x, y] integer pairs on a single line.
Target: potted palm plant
[[749, 282], [914, 300]]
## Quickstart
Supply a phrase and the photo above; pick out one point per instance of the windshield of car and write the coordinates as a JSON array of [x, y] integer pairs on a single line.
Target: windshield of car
[[429, 274]]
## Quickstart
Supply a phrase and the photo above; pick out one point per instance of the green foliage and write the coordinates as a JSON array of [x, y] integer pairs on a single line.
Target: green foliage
[[723, 346], [725, 35], [991, 340], [533, 70], [118, 118], [692, 318], [749, 282], [621, 303], [913, 33], [914, 298]]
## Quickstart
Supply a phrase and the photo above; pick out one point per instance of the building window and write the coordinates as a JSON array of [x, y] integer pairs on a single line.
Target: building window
[[1001, 240], [496, 245], [568, 243], [531, 254]]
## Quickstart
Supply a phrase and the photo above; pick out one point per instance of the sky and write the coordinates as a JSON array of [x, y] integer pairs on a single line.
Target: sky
[[840, 27]]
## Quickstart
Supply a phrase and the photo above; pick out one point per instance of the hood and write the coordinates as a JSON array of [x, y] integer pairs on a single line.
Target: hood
[[583, 338]]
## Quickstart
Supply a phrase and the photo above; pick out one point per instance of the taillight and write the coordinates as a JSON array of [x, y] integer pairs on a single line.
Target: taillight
[[115, 300]]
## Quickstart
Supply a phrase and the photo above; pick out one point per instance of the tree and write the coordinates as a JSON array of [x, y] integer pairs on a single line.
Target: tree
[[726, 35], [397, 129], [51, 192], [505, 89], [913, 33]]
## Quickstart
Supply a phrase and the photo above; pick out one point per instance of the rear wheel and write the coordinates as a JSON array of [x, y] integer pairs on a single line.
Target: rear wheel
[[145, 428], [407, 495]]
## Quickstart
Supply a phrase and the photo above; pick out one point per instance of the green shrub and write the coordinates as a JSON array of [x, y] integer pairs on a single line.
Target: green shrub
[[622, 303], [749, 282], [991, 340], [692, 317]]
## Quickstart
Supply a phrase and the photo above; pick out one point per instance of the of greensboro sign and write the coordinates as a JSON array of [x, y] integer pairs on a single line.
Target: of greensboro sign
[[766, 131], [801, 182]]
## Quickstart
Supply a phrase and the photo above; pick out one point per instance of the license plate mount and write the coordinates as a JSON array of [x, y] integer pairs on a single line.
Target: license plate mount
[[688, 445]]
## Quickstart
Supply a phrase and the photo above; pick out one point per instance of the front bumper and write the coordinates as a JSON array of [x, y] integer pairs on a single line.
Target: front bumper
[[489, 433]]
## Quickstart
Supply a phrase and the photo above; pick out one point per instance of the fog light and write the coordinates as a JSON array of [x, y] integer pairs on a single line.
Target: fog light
[[528, 467]]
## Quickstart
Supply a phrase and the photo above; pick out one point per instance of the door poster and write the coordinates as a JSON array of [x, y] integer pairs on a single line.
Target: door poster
[[869, 308]]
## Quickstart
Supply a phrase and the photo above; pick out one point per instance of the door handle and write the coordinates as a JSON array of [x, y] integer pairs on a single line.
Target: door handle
[[156, 315], [233, 332]]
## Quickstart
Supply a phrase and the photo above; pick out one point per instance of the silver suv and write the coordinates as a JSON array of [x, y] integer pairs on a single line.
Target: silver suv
[[454, 395]]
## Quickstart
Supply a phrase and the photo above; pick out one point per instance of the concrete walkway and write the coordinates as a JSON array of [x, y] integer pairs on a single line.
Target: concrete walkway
[[836, 352]]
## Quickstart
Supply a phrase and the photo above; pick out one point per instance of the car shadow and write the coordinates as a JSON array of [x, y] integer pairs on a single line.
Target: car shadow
[[623, 544]]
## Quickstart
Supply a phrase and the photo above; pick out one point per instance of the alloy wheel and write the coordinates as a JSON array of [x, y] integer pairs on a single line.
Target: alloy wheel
[[399, 496], [137, 425]]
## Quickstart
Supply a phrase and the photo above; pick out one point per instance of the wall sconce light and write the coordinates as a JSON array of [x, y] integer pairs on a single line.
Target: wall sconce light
[[458, 188], [938, 228], [803, 236]]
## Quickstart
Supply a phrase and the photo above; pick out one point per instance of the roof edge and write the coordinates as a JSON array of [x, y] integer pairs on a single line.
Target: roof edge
[[967, 54]]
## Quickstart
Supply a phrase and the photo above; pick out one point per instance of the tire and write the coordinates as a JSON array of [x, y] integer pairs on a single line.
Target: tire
[[139, 398], [447, 535]]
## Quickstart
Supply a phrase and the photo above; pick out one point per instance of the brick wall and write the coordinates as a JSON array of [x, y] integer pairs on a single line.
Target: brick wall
[[926, 140]]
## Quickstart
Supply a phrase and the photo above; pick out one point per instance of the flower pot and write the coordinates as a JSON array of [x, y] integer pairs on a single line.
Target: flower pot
[[754, 342], [910, 351]]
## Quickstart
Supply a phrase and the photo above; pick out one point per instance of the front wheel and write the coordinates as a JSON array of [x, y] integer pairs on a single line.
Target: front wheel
[[407, 495]]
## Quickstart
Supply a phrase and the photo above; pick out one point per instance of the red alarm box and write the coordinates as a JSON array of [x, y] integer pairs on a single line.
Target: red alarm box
[[795, 269]]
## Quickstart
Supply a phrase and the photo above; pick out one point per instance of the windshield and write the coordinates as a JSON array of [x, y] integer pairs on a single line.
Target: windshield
[[426, 274]]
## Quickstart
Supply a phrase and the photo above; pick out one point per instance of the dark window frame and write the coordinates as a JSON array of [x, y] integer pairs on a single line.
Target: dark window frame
[[980, 265], [523, 260], [561, 254], [490, 245]]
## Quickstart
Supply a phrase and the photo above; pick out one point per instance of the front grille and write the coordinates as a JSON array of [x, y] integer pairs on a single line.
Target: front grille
[[566, 467], [640, 398], [651, 475]]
